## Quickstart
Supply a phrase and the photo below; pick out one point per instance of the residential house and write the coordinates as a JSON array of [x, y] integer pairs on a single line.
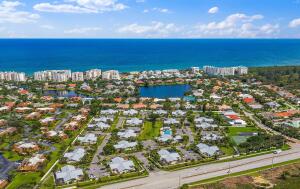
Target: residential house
[[208, 150], [169, 157], [25, 147], [178, 113], [33, 163], [75, 155], [69, 173], [129, 133], [88, 139], [134, 122], [125, 145], [130, 112], [120, 165]]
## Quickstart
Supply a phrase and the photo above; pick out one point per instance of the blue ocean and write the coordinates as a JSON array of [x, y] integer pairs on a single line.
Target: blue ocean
[[29, 55]]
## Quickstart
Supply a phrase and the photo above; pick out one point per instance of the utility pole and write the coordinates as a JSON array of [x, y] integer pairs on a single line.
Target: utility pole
[[229, 169]]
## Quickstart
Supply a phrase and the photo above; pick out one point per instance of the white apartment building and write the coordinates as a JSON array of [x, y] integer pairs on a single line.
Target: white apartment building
[[92, 74], [12, 76], [225, 71], [53, 75], [77, 76], [111, 74], [195, 69]]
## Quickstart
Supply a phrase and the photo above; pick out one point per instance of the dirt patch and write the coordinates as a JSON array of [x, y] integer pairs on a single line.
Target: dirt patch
[[264, 179], [234, 182]]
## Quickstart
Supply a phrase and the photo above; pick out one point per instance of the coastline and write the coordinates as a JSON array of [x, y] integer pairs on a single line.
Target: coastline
[[127, 55]]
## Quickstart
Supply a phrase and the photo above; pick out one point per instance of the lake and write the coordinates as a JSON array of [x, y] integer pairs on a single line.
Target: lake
[[164, 91]]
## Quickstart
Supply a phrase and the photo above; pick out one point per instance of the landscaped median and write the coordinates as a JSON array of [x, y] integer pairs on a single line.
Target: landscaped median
[[247, 172]]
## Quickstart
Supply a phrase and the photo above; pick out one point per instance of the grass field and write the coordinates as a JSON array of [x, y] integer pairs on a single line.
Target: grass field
[[234, 131], [24, 180], [150, 131]]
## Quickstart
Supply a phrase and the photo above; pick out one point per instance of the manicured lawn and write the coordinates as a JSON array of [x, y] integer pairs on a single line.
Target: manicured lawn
[[48, 183], [11, 156], [22, 179], [227, 150], [149, 131], [234, 131]]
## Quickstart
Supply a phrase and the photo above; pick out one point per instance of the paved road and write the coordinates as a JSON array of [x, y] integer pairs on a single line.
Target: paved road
[[63, 121], [268, 129], [120, 123], [5, 167], [168, 180]]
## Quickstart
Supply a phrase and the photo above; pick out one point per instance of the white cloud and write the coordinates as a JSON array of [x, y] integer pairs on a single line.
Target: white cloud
[[48, 27], [155, 29], [10, 14], [161, 10], [213, 10], [236, 25], [82, 30], [269, 29], [294, 23], [81, 6]]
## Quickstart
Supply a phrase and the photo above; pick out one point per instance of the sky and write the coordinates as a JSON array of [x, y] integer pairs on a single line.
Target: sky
[[149, 18]]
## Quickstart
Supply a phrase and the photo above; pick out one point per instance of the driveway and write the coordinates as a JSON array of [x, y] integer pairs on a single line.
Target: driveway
[[5, 167]]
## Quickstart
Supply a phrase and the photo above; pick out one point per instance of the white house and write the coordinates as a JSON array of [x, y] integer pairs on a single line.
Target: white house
[[75, 155], [120, 165], [171, 121], [130, 112], [122, 145], [208, 150], [88, 139], [68, 174], [129, 133], [169, 157], [134, 122]]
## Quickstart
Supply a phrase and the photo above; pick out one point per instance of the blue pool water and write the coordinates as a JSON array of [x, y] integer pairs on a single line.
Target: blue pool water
[[167, 132], [164, 91]]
